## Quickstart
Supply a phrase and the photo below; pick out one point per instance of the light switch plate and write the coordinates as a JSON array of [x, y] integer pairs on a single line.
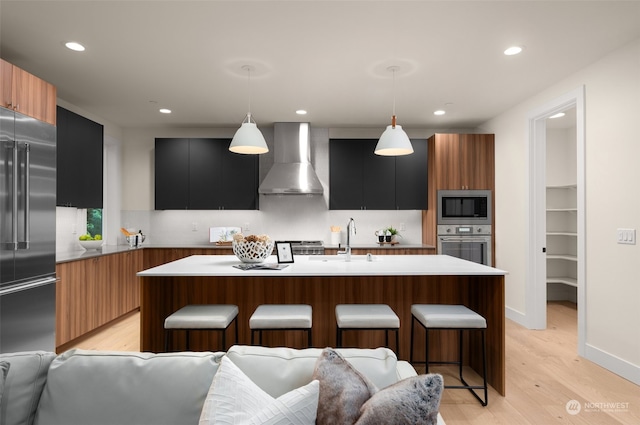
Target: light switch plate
[[626, 236]]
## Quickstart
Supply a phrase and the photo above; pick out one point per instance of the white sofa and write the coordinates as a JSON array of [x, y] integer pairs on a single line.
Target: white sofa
[[82, 387]]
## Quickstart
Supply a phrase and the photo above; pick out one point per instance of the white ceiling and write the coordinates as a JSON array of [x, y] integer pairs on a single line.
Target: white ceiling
[[329, 57]]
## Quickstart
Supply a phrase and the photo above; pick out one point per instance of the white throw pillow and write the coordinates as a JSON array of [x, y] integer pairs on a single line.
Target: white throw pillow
[[235, 399]]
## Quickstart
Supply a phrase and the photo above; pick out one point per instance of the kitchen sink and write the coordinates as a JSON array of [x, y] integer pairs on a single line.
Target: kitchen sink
[[354, 258]]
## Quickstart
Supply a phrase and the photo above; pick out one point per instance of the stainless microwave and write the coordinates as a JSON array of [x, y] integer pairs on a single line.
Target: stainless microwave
[[464, 207]]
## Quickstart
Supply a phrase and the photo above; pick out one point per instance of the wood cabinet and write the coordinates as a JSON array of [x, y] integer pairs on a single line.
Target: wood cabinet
[[464, 161], [92, 292], [457, 162], [201, 174], [156, 256], [362, 180], [79, 160], [27, 94]]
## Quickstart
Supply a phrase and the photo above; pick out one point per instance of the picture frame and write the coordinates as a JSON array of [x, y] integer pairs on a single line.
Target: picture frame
[[284, 252]]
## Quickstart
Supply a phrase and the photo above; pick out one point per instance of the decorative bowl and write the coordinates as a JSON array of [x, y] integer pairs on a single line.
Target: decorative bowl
[[252, 252], [89, 245]]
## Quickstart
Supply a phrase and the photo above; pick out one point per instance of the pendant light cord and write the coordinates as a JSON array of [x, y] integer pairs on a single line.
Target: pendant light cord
[[393, 117], [248, 68], [249, 87], [394, 90]]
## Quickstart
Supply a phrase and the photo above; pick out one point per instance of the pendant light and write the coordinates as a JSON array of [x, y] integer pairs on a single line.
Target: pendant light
[[394, 141], [248, 139]]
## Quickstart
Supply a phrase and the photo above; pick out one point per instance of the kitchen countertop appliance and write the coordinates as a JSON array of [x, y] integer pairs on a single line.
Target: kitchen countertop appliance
[[27, 233], [306, 247], [464, 224]]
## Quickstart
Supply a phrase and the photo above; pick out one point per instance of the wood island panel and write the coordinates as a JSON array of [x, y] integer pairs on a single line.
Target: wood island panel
[[162, 295]]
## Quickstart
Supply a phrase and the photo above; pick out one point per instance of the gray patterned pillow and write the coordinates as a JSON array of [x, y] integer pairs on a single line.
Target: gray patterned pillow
[[343, 390], [414, 400], [4, 369]]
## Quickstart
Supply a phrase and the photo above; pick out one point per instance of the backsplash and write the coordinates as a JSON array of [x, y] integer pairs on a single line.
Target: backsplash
[[281, 217], [70, 224]]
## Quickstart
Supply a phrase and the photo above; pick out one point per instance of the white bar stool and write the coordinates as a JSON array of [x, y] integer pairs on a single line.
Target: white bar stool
[[283, 317], [367, 317], [451, 317], [202, 317]]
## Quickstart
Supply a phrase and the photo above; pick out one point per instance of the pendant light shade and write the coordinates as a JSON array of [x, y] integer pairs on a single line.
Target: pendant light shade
[[394, 141], [248, 139]]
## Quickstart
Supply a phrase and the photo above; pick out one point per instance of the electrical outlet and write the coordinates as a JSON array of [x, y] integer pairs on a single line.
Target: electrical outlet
[[402, 227], [246, 228], [194, 226], [626, 236]]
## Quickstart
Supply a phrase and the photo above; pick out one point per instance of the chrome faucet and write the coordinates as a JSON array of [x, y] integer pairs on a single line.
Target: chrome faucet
[[351, 229]]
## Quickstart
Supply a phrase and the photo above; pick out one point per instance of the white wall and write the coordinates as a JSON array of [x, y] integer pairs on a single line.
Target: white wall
[[612, 151]]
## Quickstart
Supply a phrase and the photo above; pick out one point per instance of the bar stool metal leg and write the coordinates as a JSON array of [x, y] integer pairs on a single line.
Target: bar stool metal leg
[[442, 317]]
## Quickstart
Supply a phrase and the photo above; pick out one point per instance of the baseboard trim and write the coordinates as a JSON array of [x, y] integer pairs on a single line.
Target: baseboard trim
[[516, 316], [614, 364]]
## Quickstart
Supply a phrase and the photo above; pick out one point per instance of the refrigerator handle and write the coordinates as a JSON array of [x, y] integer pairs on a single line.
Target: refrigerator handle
[[14, 200], [24, 244]]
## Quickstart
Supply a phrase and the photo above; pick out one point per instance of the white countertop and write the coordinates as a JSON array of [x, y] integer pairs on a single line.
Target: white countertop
[[327, 265]]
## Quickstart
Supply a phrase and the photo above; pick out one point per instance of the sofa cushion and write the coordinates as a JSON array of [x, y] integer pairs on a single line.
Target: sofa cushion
[[234, 399], [23, 386], [280, 370], [106, 388], [413, 400], [4, 369], [343, 390]]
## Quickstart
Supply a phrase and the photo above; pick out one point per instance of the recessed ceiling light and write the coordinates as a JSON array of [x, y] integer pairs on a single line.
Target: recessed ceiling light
[[301, 112], [75, 46], [439, 112], [558, 115], [165, 111], [513, 50]]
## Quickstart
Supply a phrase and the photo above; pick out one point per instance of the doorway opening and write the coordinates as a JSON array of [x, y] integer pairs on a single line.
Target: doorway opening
[[557, 211]]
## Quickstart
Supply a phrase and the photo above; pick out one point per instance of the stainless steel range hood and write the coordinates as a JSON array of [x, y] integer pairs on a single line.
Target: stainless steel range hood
[[292, 172]]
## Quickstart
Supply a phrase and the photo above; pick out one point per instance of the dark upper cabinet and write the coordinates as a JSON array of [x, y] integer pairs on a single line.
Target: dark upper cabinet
[[201, 174], [79, 151], [345, 175], [360, 179], [205, 174], [171, 174], [411, 178]]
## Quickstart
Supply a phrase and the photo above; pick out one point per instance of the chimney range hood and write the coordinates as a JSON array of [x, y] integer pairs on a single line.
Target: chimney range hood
[[292, 172]]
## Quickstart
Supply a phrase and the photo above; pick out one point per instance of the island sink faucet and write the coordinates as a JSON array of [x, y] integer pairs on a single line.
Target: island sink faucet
[[351, 229]]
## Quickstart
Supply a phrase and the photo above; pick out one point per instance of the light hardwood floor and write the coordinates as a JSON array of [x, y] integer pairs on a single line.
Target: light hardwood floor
[[544, 373]]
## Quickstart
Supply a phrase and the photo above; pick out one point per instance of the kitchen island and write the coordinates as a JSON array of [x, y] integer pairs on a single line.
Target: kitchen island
[[323, 282]]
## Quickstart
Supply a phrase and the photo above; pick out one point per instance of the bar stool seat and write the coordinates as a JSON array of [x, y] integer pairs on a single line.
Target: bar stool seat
[[451, 317], [367, 317], [202, 317], [271, 317]]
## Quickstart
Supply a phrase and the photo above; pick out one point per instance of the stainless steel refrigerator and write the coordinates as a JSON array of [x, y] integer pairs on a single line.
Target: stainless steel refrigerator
[[27, 233]]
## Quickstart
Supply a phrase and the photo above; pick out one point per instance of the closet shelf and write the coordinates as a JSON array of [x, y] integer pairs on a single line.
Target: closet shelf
[[572, 209], [569, 257], [562, 233], [564, 280]]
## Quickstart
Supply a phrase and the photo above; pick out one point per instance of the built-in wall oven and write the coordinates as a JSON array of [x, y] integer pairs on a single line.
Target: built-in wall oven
[[464, 224]]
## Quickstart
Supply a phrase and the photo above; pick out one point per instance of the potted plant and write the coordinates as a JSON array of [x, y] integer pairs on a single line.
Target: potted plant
[[391, 234]]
